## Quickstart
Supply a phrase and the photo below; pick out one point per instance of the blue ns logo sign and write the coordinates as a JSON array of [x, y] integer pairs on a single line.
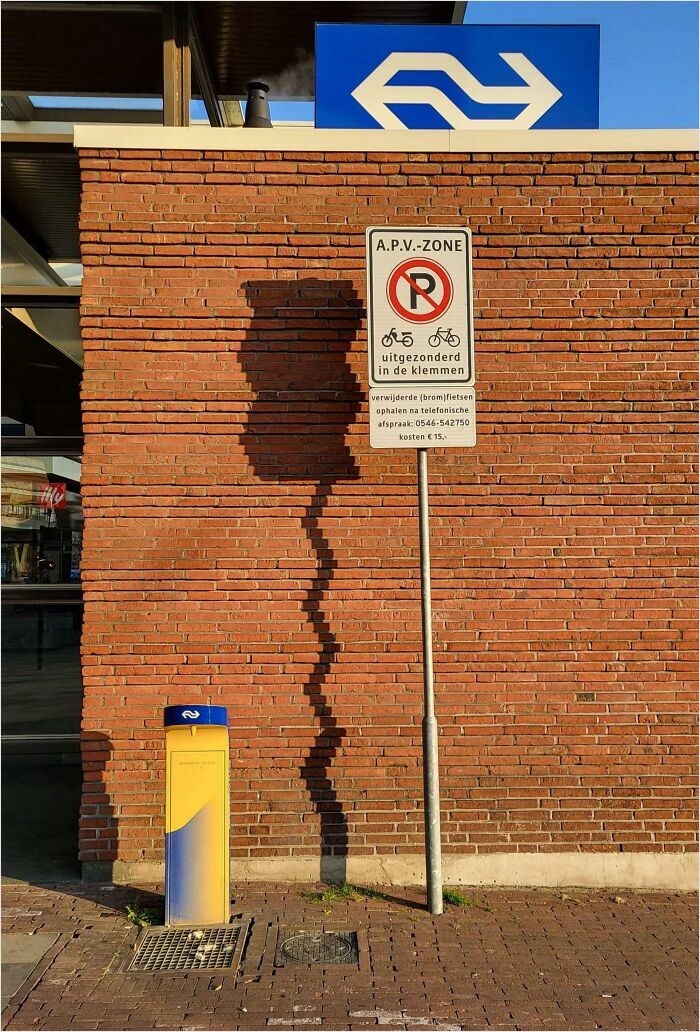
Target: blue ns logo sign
[[457, 77]]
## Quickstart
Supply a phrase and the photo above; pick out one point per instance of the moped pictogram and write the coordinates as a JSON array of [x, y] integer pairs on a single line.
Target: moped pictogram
[[392, 337]]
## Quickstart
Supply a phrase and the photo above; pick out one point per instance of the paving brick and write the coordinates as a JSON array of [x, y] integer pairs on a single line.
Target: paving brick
[[533, 960]]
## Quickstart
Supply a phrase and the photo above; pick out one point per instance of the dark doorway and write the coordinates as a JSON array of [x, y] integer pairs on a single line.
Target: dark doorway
[[41, 771], [42, 524]]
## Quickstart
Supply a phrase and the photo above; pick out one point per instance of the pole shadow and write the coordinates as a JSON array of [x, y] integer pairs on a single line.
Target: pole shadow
[[305, 399]]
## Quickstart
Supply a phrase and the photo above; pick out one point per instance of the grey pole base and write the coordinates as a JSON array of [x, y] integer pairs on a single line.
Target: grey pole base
[[431, 778]]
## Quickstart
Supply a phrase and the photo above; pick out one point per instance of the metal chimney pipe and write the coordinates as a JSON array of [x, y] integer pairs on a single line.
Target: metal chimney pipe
[[257, 110]]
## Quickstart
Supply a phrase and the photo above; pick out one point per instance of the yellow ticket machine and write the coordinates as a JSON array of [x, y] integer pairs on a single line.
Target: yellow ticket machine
[[197, 822]]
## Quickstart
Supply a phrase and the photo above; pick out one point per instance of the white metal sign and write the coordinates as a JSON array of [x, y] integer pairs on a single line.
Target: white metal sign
[[422, 417], [419, 306]]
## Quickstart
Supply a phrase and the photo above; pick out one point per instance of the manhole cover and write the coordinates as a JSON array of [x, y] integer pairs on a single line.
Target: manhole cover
[[190, 949], [295, 947]]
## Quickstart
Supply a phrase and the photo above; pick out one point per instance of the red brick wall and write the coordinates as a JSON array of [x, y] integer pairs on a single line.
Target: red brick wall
[[245, 546]]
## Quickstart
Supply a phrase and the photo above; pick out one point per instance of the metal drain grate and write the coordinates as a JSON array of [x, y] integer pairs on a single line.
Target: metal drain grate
[[295, 947], [212, 948]]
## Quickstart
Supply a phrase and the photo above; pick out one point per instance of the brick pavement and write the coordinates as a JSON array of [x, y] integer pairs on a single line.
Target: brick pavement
[[519, 960]]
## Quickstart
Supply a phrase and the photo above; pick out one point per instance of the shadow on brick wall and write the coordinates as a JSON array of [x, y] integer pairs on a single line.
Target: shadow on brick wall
[[306, 398], [99, 831]]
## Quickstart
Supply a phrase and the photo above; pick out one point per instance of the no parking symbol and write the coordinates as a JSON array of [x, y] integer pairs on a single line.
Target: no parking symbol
[[420, 290]]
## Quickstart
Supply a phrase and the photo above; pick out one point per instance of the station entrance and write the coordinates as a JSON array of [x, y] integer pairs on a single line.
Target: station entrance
[[42, 605]]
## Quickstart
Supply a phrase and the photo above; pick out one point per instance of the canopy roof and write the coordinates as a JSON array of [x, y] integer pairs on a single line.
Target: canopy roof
[[111, 48], [115, 50]]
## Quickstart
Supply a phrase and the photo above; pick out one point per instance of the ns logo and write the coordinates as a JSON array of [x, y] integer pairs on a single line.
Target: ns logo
[[375, 94]]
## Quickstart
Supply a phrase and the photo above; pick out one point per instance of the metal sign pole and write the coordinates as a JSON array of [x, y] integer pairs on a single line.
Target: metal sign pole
[[431, 778], [422, 398]]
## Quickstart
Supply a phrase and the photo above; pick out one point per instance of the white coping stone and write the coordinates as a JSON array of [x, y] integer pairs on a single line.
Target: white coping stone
[[301, 138], [669, 872]]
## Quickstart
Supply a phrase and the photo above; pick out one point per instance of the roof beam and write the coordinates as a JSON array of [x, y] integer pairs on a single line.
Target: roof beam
[[177, 67], [233, 113], [40, 297], [56, 5], [31, 256], [18, 106], [75, 116], [41, 446], [215, 109], [37, 132]]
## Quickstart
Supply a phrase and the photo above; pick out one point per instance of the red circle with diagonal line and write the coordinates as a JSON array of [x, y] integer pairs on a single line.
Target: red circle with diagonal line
[[420, 290]]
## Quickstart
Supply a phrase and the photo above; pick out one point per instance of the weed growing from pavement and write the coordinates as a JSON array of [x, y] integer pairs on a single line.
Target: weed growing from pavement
[[144, 917], [348, 893], [455, 898], [345, 893]]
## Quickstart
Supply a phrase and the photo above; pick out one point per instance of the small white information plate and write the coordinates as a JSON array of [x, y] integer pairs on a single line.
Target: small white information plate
[[422, 417]]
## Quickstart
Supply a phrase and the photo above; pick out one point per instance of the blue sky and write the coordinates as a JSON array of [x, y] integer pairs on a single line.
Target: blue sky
[[648, 53]]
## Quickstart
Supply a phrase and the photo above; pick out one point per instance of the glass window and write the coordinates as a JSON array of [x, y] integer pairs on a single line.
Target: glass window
[[42, 520], [42, 688], [40, 378]]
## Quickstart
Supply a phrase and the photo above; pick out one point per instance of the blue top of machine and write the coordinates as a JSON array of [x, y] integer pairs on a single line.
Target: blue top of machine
[[196, 713]]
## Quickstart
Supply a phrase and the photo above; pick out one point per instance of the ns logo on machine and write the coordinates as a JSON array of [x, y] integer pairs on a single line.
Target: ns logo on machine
[[457, 76]]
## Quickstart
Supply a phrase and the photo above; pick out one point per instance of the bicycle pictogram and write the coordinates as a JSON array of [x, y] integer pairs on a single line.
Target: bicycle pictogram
[[443, 337], [393, 337]]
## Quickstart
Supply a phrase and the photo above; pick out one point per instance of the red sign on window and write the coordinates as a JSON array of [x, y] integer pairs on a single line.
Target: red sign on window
[[53, 496]]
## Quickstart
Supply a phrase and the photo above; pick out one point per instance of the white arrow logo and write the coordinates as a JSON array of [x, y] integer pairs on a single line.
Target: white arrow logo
[[374, 95], [191, 713]]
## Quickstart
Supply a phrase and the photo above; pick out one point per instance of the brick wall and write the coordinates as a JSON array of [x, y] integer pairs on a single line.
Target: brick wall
[[245, 546]]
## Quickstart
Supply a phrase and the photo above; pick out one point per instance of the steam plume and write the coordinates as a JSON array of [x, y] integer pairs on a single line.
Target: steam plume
[[296, 81]]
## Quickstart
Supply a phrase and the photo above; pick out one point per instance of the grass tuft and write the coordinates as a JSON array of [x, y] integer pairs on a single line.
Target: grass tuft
[[345, 893], [455, 898], [144, 917]]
